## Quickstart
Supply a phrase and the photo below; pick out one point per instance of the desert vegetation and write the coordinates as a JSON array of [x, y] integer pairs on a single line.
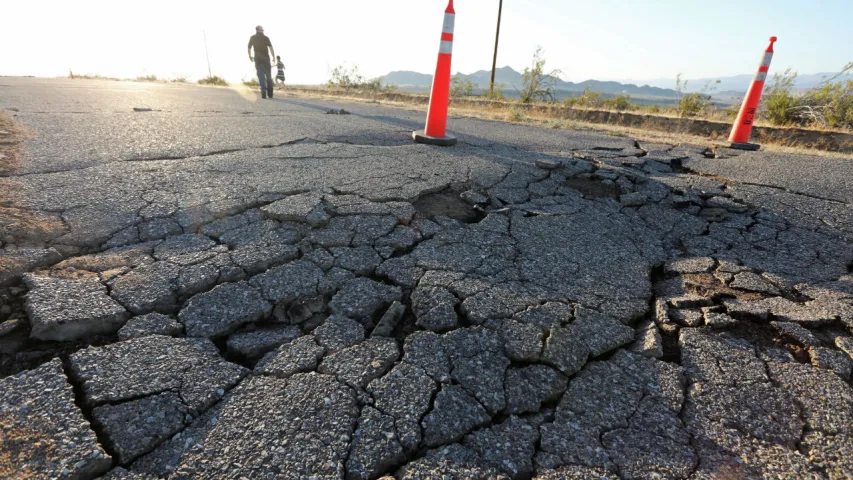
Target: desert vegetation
[[213, 80], [348, 78], [829, 105]]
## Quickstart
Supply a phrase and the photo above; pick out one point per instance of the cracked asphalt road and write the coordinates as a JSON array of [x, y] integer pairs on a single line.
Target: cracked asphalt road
[[224, 287]]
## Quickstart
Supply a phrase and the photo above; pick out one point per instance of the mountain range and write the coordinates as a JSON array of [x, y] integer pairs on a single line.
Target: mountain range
[[724, 90], [741, 82], [511, 80]]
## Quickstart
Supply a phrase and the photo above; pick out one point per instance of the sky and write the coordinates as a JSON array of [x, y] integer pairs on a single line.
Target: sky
[[600, 39]]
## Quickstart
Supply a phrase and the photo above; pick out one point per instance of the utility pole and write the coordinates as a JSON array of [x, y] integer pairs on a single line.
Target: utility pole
[[206, 54], [497, 37]]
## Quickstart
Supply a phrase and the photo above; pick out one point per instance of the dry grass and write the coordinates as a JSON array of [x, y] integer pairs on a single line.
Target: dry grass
[[501, 113]]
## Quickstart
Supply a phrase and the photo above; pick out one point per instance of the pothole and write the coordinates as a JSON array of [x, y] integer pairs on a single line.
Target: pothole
[[671, 349], [764, 335], [448, 204], [593, 188]]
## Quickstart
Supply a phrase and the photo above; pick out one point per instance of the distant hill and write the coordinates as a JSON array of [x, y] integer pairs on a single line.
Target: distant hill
[[407, 79], [512, 81], [740, 83]]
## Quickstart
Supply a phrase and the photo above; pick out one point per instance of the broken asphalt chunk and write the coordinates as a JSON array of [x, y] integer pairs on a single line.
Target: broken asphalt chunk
[[63, 309]]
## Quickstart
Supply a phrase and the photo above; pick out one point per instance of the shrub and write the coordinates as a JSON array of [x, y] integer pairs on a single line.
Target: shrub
[[348, 78], [461, 87], [213, 80], [829, 104], [496, 92], [536, 84], [692, 104], [146, 78], [179, 79], [619, 102], [778, 101], [251, 83], [515, 114], [588, 99]]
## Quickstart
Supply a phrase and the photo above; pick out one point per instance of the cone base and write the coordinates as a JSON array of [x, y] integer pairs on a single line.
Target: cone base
[[745, 146], [446, 141]]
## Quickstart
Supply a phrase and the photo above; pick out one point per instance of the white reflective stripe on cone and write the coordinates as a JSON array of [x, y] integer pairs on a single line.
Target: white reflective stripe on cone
[[446, 47], [449, 22], [765, 60], [760, 77]]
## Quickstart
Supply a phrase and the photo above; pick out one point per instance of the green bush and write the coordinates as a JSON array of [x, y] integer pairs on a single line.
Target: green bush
[[588, 99], [619, 102], [778, 100], [213, 80], [253, 83], [461, 87], [692, 104], [179, 79], [146, 78], [838, 98], [829, 105]]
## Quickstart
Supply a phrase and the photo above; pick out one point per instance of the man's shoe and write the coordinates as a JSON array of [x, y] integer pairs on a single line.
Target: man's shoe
[[269, 94], [263, 95]]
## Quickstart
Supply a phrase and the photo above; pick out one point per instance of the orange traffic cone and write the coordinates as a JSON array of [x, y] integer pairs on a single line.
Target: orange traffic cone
[[745, 119], [435, 132]]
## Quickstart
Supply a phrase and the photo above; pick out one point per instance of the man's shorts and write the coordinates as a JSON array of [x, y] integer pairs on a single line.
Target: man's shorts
[[279, 77]]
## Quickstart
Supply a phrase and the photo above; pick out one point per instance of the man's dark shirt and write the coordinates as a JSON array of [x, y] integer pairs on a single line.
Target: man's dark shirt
[[260, 42]]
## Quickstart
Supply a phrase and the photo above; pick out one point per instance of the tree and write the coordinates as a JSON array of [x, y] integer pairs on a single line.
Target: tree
[[536, 84]]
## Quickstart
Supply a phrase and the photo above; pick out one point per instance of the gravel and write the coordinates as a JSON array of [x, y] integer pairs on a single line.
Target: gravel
[[44, 433]]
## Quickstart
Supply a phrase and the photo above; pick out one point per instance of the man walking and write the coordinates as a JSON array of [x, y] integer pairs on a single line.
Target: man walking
[[261, 43]]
